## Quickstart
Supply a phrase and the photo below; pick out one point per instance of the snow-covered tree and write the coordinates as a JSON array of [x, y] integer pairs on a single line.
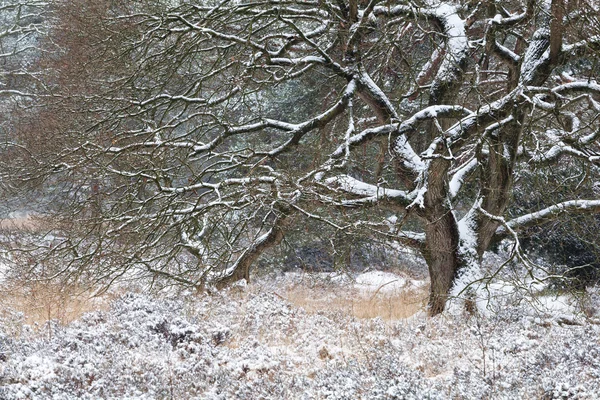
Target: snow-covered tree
[[191, 136], [21, 26]]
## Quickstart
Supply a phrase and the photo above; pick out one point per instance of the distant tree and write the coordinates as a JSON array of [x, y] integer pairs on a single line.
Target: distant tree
[[22, 25], [191, 135]]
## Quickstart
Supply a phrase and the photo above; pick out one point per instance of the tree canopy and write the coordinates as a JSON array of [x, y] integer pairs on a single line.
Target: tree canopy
[[186, 138]]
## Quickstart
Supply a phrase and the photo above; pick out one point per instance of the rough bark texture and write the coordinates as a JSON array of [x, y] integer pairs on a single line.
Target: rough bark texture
[[441, 230], [442, 259], [556, 28], [441, 237]]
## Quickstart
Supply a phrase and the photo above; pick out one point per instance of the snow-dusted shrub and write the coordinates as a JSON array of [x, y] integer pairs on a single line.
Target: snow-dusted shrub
[[253, 344]]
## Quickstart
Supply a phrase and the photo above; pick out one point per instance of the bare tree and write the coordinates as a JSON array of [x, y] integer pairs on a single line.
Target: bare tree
[[21, 27], [184, 142], [21, 23]]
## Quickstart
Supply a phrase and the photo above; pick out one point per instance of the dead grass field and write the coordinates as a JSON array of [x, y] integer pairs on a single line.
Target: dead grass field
[[45, 301], [386, 305], [42, 301]]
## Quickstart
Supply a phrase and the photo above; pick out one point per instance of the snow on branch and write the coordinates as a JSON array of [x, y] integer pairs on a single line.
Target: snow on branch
[[487, 118], [220, 184], [376, 97], [515, 19], [320, 120], [371, 192], [403, 150], [588, 86], [580, 48], [460, 175], [402, 147], [300, 61], [18, 93], [322, 53], [551, 213], [195, 147], [536, 56], [213, 33], [560, 148], [454, 30], [456, 46], [413, 239], [362, 137]]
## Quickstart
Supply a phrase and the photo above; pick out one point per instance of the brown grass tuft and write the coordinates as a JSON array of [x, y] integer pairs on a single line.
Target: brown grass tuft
[[44, 301], [387, 305]]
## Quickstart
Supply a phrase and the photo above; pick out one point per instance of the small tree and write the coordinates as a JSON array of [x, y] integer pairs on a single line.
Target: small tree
[[177, 149]]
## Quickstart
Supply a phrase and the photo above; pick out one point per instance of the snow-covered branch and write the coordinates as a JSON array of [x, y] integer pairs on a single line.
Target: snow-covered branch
[[320, 120], [552, 213], [369, 192], [460, 176]]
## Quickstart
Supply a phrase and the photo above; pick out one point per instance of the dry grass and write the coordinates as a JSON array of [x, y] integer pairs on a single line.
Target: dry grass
[[387, 305], [42, 301], [45, 301], [21, 224]]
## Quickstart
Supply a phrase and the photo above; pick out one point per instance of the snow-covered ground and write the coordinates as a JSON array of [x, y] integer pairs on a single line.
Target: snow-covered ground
[[260, 342]]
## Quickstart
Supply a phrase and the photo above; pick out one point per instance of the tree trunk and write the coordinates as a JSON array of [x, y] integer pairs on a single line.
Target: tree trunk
[[441, 255], [441, 236], [241, 269], [498, 176]]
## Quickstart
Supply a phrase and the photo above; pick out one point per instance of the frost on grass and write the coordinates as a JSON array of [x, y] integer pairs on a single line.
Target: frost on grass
[[252, 343]]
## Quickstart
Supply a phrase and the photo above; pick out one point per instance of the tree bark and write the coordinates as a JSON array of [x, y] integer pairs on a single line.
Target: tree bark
[[498, 177], [441, 255], [441, 236]]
